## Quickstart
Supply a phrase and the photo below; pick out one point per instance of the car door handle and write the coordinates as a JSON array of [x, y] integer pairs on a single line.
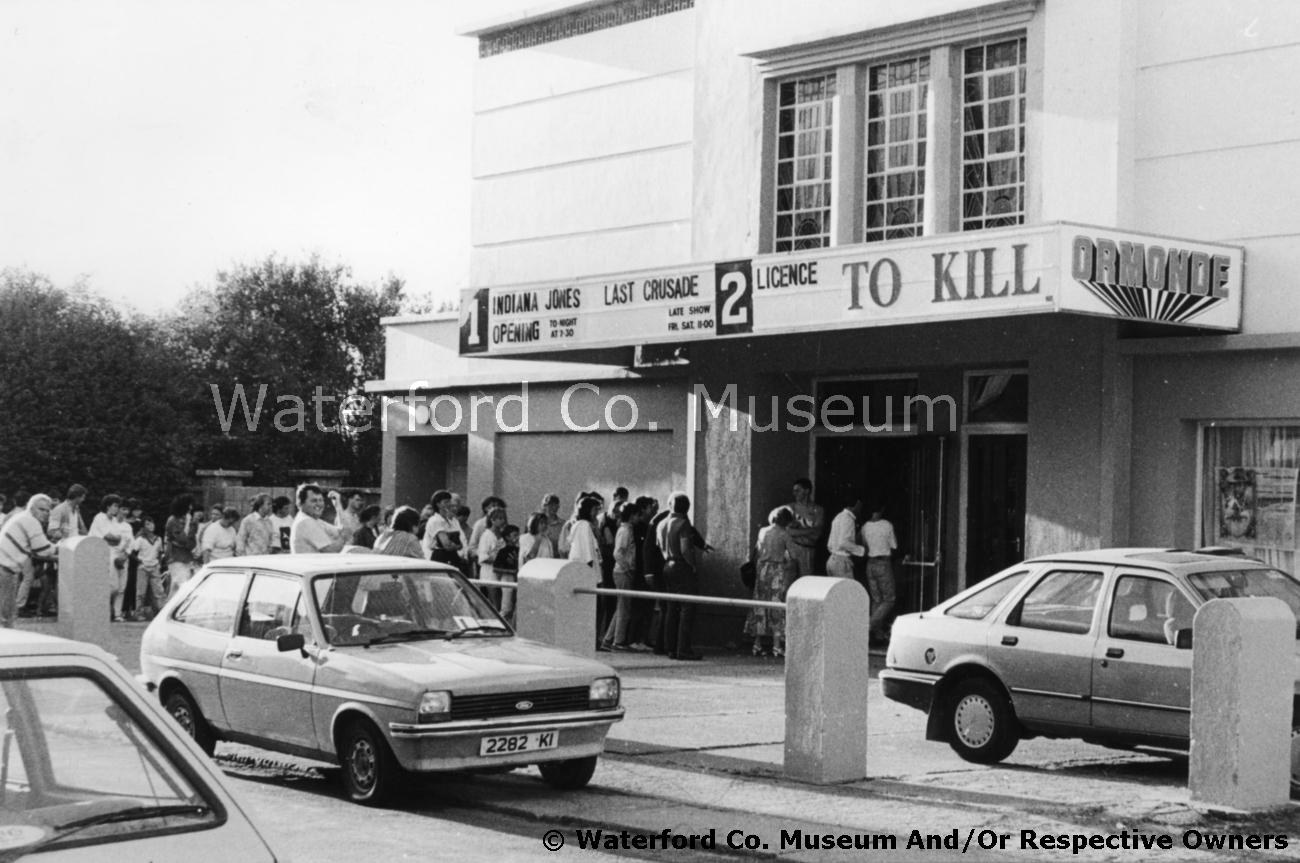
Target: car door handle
[[1010, 640], [1114, 653], [234, 653]]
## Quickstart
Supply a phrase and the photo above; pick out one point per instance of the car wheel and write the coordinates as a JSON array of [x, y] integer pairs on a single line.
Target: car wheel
[[982, 725], [370, 772], [568, 775], [186, 713]]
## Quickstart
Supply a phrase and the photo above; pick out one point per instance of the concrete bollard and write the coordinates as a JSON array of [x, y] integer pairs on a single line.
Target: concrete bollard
[[826, 680], [547, 609], [1241, 703], [84, 590]]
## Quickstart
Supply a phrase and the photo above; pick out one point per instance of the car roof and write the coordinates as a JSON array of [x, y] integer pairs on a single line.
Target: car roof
[[19, 642], [1164, 558], [314, 564]]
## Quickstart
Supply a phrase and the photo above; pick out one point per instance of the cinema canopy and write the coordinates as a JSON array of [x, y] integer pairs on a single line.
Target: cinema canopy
[[1059, 268]]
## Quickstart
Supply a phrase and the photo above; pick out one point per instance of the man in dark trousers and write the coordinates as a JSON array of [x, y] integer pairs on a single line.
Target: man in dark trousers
[[679, 542], [652, 563]]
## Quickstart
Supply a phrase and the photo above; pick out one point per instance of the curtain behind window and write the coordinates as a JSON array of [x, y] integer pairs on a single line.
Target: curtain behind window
[[1249, 491]]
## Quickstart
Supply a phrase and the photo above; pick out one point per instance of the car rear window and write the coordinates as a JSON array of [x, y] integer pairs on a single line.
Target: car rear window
[[1236, 583], [979, 604]]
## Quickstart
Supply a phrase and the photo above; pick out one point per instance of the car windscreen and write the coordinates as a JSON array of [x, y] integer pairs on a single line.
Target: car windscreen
[[1238, 583], [78, 767], [378, 607]]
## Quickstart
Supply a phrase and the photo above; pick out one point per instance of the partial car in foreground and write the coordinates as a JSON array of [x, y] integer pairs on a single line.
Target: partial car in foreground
[[1093, 645], [91, 770], [386, 665]]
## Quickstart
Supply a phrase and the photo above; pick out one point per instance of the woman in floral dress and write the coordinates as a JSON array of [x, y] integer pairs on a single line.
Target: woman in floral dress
[[775, 568]]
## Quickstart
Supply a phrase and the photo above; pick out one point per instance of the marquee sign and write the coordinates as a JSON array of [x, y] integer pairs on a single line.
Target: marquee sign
[[1058, 267]]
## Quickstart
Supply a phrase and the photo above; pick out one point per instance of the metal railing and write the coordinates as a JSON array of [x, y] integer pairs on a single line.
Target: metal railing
[[693, 598]]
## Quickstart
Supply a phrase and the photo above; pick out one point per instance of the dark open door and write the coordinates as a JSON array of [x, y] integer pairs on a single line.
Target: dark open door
[[995, 504]]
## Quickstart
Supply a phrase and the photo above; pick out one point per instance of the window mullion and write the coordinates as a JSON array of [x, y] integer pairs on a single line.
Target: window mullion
[[846, 161], [943, 163]]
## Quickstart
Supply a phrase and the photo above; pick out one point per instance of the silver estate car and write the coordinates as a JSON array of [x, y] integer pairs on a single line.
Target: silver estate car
[[383, 664], [1091, 645]]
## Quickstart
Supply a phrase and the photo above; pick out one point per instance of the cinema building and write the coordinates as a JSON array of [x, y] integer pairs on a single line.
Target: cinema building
[[986, 262]]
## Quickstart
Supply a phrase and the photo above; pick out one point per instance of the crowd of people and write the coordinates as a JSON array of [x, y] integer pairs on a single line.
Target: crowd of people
[[629, 544]]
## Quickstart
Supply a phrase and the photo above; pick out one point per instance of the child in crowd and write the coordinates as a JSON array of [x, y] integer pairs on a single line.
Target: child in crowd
[[506, 567], [148, 580]]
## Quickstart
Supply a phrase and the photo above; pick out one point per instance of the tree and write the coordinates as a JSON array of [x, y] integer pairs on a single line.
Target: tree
[[277, 347], [92, 395]]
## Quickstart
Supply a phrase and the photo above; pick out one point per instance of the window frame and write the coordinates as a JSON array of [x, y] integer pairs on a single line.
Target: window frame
[[1016, 617], [851, 57]]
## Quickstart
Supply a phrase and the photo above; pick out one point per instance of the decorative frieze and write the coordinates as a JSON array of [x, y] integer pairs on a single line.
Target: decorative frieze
[[576, 23]]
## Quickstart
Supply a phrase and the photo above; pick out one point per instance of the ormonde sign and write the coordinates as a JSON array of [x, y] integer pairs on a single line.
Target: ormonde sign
[[1052, 268]]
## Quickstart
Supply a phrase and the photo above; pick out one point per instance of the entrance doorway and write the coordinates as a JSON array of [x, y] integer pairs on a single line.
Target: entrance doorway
[[995, 503], [905, 474]]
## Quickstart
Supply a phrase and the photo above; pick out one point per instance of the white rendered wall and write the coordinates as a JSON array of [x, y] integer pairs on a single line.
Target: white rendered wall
[[1218, 138], [582, 154]]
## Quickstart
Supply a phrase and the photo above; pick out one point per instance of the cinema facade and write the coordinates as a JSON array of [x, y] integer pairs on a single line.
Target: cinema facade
[[984, 262]]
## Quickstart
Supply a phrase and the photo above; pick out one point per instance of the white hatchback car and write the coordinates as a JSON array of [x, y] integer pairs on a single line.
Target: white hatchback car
[[91, 770], [383, 664]]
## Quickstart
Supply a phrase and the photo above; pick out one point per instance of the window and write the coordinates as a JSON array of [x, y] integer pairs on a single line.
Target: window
[[935, 142], [803, 163], [213, 604], [1248, 490], [1239, 583], [1147, 609], [978, 605], [997, 397], [993, 135], [1063, 601], [895, 169], [72, 749], [368, 607], [273, 608]]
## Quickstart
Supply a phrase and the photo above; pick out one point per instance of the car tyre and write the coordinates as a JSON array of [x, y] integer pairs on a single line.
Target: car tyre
[[187, 715], [981, 723], [370, 772], [568, 775]]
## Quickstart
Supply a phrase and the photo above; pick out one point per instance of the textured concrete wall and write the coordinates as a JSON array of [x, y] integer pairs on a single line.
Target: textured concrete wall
[[1171, 395]]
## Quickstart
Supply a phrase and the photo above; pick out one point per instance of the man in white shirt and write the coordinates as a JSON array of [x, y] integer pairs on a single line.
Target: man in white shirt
[[22, 540], [842, 544], [220, 536], [310, 534], [878, 537]]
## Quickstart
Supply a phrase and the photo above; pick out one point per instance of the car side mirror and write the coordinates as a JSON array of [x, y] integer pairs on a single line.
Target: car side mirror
[[1183, 639], [293, 641]]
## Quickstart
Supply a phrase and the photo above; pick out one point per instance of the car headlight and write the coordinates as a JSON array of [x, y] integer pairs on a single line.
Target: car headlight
[[434, 707], [603, 692]]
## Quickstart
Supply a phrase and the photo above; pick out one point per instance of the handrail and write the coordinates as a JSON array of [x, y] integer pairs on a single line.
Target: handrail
[[727, 601]]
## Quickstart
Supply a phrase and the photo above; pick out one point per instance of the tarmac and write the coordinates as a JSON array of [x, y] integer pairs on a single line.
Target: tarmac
[[698, 762]]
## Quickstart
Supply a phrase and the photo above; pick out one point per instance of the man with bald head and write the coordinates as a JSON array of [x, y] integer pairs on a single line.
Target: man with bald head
[[22, 541]]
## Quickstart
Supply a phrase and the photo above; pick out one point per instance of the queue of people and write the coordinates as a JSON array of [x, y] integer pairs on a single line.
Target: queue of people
[[629, 544]]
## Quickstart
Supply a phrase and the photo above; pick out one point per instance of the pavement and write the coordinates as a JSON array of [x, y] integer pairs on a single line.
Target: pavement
[[700, 753]]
